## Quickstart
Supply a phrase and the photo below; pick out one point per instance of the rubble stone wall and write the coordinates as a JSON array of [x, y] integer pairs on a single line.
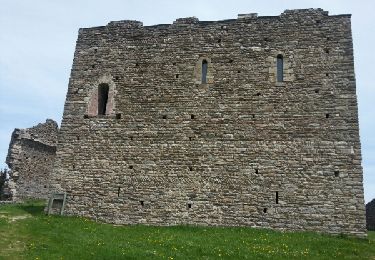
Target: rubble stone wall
[[240, 149], [31, 156]]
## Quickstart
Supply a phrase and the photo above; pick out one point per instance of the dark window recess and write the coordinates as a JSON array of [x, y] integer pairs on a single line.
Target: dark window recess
[[164, 116], [219, 41], [86, 116], [231, 61], [258, 94], [265, 210], [317, 91], [131, 138], [118, 192], [142, 203], [118, 116], [103, 90], [238, 71], [337, 173], [73, 166], [327, 51], [77, 137], [280, 68], [117, 77], [190, 138], [266, 39], [45, 186], [130, 166], [95, 50], [190, 168], [204, 71], [253, 115], [136, 64], [256, 171], [192, 116], [174, 63], [318, 21], [177, 76], [327, 115], [93, 66], [189, 205], [327, 74], [277, 197]]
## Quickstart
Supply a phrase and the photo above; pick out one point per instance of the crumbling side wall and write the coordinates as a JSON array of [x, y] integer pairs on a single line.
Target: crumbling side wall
[[30, 158], [370, 215]]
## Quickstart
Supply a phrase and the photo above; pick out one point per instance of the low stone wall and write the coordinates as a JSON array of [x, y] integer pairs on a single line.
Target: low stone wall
[[31, 155]]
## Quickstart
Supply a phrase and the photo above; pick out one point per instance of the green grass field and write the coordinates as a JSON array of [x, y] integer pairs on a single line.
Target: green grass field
[[26, 233]]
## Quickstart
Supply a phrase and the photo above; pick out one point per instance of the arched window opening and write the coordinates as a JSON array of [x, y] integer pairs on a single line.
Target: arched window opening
[[204, 71], [280, 68], [103, 90]]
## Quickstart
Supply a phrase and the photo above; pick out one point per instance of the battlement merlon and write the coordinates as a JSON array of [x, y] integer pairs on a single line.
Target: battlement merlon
[[287, 14]]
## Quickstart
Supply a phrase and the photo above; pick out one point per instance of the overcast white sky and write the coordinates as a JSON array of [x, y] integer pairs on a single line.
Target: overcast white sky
[[37, 41]]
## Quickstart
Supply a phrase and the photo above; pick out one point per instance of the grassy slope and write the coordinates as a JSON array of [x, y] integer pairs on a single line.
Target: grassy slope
[[25, 232]]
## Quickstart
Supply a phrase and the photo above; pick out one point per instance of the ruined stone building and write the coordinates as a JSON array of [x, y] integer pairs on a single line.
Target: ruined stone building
[[250, 121], [370, 215], [30, 158]]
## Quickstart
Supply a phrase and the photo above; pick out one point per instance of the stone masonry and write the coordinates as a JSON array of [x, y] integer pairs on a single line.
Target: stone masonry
[[30, 158], [243, 122], [370, 215]]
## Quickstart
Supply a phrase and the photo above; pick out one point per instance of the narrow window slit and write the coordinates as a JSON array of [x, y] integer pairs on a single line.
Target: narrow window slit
[[118, 116], [277, 197], [142, 203], [164, 116], [280, 68], [177, 76], [189, 205], [204, 71], [190, 168], [265, 210], [256, 171], [118, 192], [131, 167], [337, 173], [192, 116], [103, 90], [327, 115]]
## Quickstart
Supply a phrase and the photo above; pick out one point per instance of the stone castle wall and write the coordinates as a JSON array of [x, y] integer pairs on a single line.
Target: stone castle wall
[[240, 149], [30, 159], [370, 215]]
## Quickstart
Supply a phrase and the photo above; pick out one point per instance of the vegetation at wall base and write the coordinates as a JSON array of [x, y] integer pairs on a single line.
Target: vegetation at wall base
[[27, 233]]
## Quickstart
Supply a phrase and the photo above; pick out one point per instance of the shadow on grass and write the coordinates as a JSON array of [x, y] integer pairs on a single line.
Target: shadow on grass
[[34, 208]]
